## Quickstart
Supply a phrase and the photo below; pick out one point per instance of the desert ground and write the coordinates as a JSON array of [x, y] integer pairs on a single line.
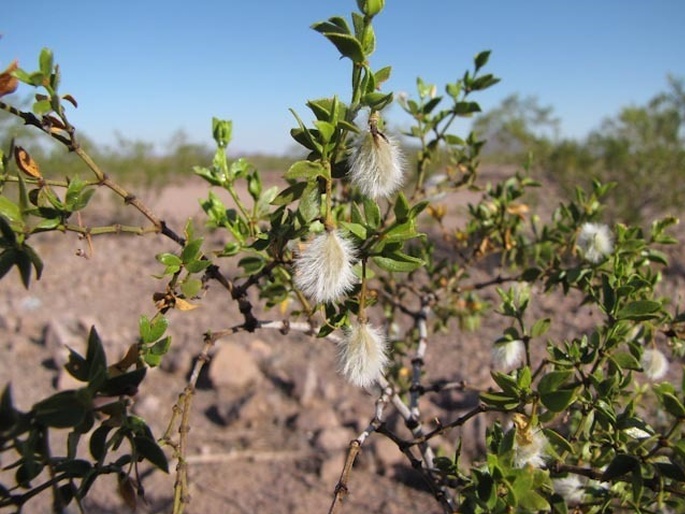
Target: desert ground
[[271, 418]]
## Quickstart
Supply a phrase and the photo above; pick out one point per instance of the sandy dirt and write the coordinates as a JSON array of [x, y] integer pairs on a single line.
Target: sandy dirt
[[271, 419]]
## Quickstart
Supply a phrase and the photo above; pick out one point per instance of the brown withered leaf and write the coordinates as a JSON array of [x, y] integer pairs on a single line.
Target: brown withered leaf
[[71, 100], [127, 492], [26, 163], [130, 359], [9, 83], [183, 305], [518, 209]]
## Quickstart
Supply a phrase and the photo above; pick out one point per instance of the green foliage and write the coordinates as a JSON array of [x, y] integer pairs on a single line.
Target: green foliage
[[577, 404], [99, 408], [641, 149]]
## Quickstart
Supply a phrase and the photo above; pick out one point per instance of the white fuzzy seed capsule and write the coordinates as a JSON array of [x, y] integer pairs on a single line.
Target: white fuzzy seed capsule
[[569, 488], [530, 451], [362, 356], [323, 271], [654, 363], [595, 241], [507, 355], [376, 164], [529, 443]]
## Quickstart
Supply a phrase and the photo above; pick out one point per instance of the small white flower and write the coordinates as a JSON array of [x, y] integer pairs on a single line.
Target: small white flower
[[569, 488], [362, 356], [595, 241], [508, 354], [654, 363], [376, 164], [323, 271]]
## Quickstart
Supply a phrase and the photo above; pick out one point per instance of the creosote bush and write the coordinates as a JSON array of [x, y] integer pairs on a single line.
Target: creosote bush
[[356, 243]]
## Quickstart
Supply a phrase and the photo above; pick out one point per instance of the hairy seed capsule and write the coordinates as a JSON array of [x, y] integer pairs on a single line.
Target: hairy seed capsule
[[376, 164], [362, 356], [323, 271]]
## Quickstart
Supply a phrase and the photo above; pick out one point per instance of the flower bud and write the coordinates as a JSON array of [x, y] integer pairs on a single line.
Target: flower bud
[[370, 7]]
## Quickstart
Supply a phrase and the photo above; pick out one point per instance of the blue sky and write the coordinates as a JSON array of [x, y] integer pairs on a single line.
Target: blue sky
[[146, 69]]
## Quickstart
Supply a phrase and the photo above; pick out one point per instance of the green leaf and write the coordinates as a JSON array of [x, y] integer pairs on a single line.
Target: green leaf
[[191, 250], [151, 330], [148, 449], [398, 262], [326, 131], [191, 287], [48, 224], [74, 468], [45, 61], [672, 404], [125, 384], [8, 259], [290, 194], [61, 410], [558, 401], [466, 108], [482, 59], [306, 170], [8, 413], [355, 228], [5, 230], [625, 360], [540, 327], [372, 213], [23, 262], [333, 24], [557, 440], [198, 266], [553, 380], [532, 501], [401, 207], [401, 231], [639, 310], [507, 383], [10, 210], [377, 100], [169, 259], [621, 465], [252, 264], [98, 441], [96, 362], [304, 136], [382, 75], [76, 366], [500, 400], [347, 45], [41, 107]]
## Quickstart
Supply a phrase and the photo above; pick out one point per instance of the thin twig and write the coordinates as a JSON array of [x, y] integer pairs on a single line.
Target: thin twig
[[341, 489]]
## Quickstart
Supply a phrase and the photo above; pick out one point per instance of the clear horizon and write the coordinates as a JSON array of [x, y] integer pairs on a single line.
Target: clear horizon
[[148, 70]]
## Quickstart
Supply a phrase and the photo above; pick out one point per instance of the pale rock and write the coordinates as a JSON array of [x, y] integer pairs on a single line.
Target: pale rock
[[330, 470], [260, 349], [233, 367], [305, 385], [334, 439], [387, 455], [315, 419]]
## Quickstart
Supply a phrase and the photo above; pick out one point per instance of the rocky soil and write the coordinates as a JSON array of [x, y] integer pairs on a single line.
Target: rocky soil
[[271, 419]]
